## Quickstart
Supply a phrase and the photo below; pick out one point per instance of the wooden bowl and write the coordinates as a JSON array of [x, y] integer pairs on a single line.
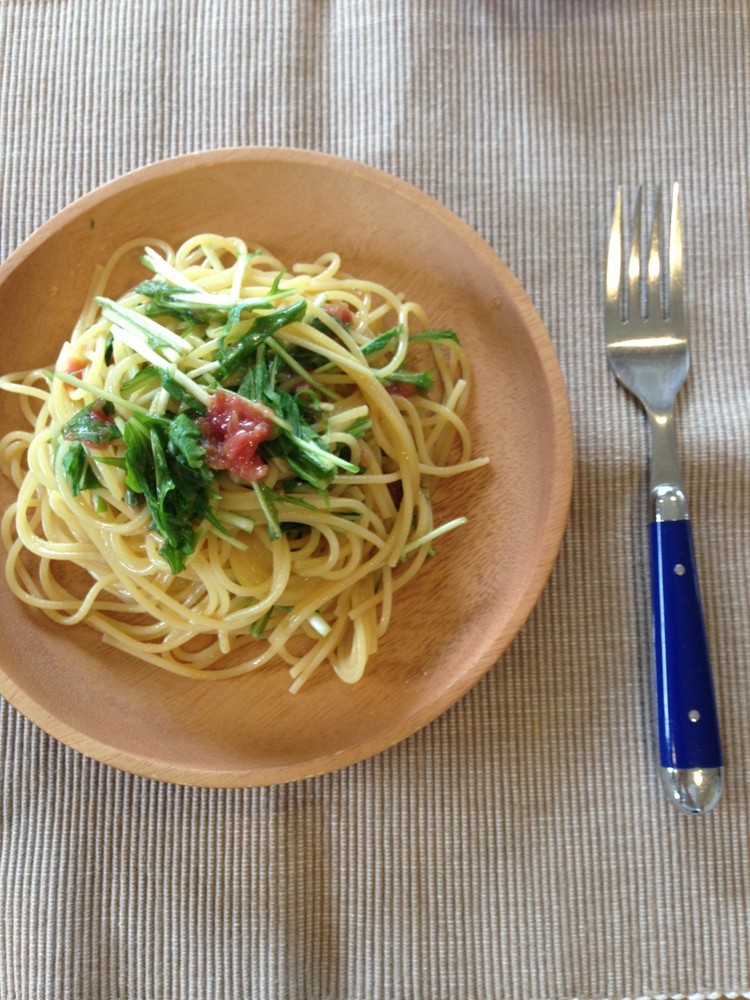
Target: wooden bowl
[[452, 623]]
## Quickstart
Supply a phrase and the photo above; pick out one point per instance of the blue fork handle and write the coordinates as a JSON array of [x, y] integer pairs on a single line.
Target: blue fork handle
[[689, 738]]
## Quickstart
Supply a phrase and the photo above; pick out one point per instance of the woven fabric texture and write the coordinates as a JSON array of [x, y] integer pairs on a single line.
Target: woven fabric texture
[[520, 846]]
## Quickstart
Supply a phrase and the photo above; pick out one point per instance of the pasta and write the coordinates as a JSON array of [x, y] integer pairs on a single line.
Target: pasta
[[232, 464]]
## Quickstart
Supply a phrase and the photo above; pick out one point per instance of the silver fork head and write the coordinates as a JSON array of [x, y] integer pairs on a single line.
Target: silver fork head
[[643, 316]]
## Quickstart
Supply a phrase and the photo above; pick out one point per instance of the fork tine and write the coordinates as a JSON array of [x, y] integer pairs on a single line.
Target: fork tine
[[654, 267], [634, 264], [614, 262], [675, 257]]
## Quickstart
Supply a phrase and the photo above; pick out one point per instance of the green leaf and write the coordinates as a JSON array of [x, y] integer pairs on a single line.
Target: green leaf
[[382, 341], [179, 392], [184, 442], [138, 458], [433, 335], [94, 423], [429, 336], [234, 356], [290, 359], [268, 500], [163, 481], [142, 378], [423, 381], [166, 465], [163, 302], [296, 441], [289, 498], [360, 427], [155, 374], [140, 325], [77, 469], [257, 629], [194, 305]]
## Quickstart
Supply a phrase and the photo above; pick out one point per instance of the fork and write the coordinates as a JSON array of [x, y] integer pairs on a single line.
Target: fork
[[647, 350]]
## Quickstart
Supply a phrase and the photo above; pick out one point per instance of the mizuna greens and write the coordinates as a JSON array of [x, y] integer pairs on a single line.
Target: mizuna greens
[[165, 460], [236, 456]]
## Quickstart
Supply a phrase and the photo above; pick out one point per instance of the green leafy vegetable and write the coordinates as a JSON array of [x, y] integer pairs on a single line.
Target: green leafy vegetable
[[433, 335], [234, 356], [94, 423], [360, 427], [141, 326], [165, 464], [257, 629], [163, 455], [194, 305], [297, 442], [270, 501], [383, 340], [141, 380], [184, 442], [171, 300], [78, 471], [423, 381], [177, 391]]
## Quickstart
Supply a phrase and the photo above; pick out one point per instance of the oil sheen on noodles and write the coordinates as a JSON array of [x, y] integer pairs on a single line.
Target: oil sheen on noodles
[[233, 463]]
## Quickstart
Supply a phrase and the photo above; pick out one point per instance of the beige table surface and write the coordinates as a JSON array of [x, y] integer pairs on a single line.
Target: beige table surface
[[519, 847]]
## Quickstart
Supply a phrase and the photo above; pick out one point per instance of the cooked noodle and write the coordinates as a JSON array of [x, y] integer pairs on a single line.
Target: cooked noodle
[[281, 567]]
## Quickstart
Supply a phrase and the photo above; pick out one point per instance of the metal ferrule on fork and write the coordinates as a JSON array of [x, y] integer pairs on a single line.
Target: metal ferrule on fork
[[667, 501]]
